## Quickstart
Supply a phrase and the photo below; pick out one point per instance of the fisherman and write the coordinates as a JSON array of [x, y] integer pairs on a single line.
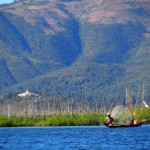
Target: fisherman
[[109, 120], [135, 122]]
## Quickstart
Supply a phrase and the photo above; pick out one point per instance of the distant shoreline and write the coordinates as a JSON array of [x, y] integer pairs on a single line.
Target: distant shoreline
[[87, 119]]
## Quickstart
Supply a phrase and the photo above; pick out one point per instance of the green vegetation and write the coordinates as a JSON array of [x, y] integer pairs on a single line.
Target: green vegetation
[[53, 120], [84, 119], [61, 52], [142, 114]]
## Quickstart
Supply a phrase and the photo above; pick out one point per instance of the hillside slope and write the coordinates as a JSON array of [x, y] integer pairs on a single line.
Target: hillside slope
[[69, 47]]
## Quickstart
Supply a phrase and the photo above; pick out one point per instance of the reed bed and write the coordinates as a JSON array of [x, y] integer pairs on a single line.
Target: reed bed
[[53, 120], [75, 119]]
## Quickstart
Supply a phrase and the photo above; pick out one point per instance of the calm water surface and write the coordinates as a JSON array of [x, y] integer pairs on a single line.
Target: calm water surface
[[75, 138]]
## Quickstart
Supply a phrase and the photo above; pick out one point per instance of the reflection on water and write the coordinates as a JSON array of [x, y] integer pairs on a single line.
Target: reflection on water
[[75, 138]]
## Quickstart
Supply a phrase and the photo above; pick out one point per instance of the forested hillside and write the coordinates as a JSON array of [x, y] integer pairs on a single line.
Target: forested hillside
[[76, 48]]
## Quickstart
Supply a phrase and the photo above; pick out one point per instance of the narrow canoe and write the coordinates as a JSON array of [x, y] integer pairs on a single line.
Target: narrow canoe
[[123, 126]]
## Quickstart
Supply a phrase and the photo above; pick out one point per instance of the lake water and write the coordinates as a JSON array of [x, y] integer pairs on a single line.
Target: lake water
[[75, 138]]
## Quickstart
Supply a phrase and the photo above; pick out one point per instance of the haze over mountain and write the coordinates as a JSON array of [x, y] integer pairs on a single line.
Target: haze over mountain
[[71, 47]]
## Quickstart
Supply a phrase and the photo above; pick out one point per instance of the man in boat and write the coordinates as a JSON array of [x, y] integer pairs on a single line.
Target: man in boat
[[109, 120], [135, 122]]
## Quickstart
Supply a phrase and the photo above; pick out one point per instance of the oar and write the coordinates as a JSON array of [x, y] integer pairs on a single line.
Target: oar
[[144, 120]]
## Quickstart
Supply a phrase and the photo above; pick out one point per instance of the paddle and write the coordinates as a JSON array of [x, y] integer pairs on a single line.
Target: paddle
[[144, 120]]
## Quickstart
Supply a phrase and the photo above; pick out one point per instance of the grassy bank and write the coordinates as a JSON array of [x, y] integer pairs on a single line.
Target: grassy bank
[[66, 119], [53, 120], [142, 114]]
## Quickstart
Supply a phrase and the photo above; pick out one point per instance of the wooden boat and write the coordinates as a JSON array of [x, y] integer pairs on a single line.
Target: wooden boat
[[123, 125], [126, 112]]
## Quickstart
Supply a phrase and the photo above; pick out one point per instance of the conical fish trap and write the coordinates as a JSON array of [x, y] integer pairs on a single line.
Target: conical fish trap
[[122, 115]]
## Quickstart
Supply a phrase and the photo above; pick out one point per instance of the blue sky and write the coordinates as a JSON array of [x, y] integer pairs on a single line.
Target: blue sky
[[5, 1]]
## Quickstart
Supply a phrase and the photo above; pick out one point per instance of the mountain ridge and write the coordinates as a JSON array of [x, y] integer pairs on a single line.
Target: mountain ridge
[[69, 46]]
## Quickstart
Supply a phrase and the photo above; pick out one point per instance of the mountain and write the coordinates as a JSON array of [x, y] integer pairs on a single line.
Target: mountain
[[71, 47]]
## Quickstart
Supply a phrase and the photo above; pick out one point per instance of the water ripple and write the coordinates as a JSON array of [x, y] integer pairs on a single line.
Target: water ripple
[[75, 138]]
